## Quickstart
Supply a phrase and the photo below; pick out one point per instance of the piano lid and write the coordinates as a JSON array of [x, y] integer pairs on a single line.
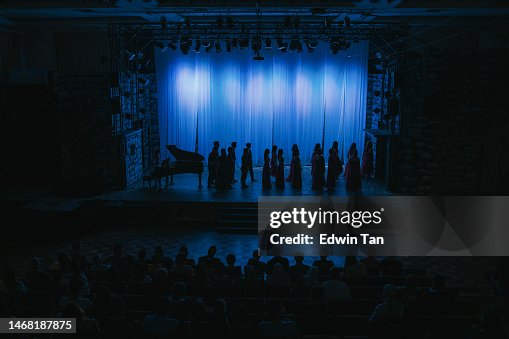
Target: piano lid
[[182, 155]]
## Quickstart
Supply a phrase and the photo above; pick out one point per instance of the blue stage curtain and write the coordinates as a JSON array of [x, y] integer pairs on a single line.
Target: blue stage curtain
[[303, 98]]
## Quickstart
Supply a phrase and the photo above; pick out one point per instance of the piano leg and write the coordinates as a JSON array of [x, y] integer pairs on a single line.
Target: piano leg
[[171, 182], [199, 181]]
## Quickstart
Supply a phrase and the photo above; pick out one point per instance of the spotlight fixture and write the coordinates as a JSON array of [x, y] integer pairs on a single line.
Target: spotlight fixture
[[256, 44], [229, 22], [197, 46], [159, 44], [282, 45], [184, 45], [268, 43], [218, 47], [209, 47], [347, 22], [311, 45], [334, 47], [244, 43], [130, 55], [164, 23], [219, 22], [171, 45], [206, 43], [258, 56], [288, 21]]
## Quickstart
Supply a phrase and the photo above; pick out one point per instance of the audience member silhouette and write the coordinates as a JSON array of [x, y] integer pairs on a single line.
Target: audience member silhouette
[[299, 269], [160, 323], [234, 163], [367, 160], [276, 326], [335, 289], [296, 170], [266, 183], [318, 178], [390, 309], [273, 161], [280, 178], [212, 164], [353, 170], [250, 162], [245, 167]]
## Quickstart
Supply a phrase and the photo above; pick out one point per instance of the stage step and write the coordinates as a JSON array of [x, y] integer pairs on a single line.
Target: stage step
[[238, 219]]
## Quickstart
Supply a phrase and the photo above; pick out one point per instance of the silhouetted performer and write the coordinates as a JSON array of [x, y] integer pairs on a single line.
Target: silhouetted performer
[[367, 160], [313, 158], [212, 164], [332, 169], [230, 160], [339, 165], [289, 177], [353, 170], [250, 161], [234, 146], [297, 170], [319, 171], [273, 161], [266, 184], [280, 177], [245, 167], [223, 172]]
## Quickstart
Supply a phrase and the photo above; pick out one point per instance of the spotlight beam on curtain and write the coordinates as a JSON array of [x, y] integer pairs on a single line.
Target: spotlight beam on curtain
[[302, 98]]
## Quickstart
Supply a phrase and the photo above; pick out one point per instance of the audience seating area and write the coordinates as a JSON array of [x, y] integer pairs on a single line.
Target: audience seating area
[[133, 296]]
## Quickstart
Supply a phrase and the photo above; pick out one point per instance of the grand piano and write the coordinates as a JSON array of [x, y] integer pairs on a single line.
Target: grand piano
[[187, 162]]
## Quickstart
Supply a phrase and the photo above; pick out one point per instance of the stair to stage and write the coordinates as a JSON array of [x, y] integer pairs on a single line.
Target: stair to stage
[[238, 218]]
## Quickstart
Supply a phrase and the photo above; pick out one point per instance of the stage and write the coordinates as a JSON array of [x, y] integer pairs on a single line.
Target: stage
[[186, 189]]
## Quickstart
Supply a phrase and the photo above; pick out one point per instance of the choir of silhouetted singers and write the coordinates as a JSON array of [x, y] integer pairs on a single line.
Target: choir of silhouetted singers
[[222, 164]]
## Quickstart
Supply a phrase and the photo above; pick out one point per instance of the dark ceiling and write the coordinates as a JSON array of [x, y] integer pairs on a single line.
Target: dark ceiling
[[31, 14]]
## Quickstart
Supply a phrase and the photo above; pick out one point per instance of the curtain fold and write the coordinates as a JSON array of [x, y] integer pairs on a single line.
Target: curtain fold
[[303, 98]]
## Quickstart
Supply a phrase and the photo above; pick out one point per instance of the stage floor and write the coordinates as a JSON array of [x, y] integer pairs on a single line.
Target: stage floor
[[186, 189]]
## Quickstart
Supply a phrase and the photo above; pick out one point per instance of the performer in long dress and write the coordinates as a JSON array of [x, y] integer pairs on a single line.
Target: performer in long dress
[[280, 177], [289, 177], [266, 184], [332, 169], [212, 164], [234, 146], [367, 160], [223, 172], [273, 162], [297, 170], [244, 168], [319, 171], [313, 158], [230, 160], [250, 162], [339, 164], [353, 170]]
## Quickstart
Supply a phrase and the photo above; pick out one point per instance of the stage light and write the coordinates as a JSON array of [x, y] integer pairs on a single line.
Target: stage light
[[159, 44], [228, 45], [282, 45], [219, 22], [256, 44], [209, 47], [347, 22], [334, 47], [164, 23], [258, 56], [206, 43], [184, 45], [130, 55], [197, 46], [218, 47], [244, 43], [268, 43], [288, 21], [229, 22]]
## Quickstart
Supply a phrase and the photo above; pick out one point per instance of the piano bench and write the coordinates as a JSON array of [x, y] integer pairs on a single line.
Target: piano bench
[[148, 178]]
